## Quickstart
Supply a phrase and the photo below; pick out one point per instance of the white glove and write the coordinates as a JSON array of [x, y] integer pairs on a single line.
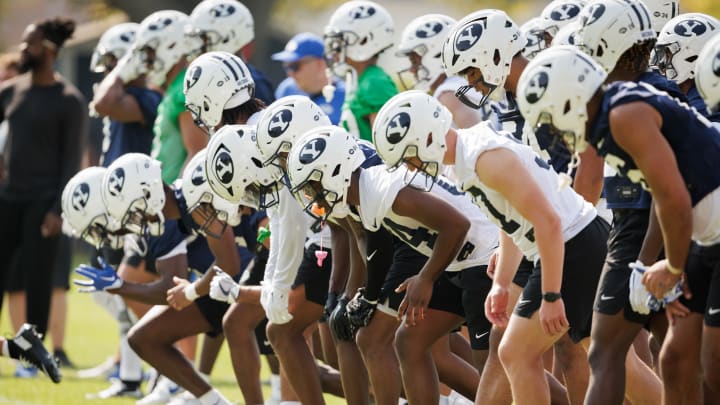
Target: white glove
[[639, 295], [224, 288], [276, 306]]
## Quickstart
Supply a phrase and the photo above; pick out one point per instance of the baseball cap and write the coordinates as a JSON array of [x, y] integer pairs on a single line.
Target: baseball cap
[[300, 46]]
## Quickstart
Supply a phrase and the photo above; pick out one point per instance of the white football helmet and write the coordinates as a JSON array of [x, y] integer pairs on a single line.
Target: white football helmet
[[555, 88], [214, 82], [221, 25], [282, 123], [534, 33], [559, 13], [412, 124], [707, 74], [680, 42], [662, 11], [161, 43], [83, 210], [113, 44], [234, 168], [425, 36], [320, 166], [487, 40], [216, 212], [608, 28], [566, 35], [134, 194], [357, 30]]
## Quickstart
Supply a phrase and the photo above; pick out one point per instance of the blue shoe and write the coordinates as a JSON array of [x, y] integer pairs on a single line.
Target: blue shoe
[[22, 371]]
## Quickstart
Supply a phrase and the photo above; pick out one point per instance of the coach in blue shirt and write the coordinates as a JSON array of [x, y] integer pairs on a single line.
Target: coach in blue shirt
[[305, 66]]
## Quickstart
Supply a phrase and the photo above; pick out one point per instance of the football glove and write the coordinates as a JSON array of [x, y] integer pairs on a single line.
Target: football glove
[[340, 325], [275, 305], [102, 279], [360, 310], [224, 288]]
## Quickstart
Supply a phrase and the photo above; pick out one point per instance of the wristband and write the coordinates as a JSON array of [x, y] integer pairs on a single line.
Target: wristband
[[190, 292], [674, 270]]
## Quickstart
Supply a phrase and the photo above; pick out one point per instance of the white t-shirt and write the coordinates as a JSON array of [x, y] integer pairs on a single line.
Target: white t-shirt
[[378, 190], [288, 226], [575, 213]]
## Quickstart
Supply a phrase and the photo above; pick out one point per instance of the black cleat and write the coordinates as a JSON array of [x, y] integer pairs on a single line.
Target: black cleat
[[32, 351], [62, 359]]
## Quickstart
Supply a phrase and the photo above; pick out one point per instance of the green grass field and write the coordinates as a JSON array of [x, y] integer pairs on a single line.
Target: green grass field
[[92, 336]]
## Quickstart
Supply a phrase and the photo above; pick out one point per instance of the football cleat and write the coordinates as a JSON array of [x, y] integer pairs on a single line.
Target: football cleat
[[33, 352]]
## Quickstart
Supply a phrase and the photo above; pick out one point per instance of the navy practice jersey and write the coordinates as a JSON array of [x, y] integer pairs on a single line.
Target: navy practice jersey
[[693, 139], [151, 248], [618, 190]]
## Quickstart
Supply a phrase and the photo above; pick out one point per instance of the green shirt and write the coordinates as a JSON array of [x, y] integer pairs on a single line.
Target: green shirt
[[374, 88], [168, 146]]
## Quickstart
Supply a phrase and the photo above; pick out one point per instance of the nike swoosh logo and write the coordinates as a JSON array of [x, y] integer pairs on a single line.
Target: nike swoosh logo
[[523, 302], [371, 255], [224, 291], [480, 335], [266, 342], [713, 311], [606, 297]]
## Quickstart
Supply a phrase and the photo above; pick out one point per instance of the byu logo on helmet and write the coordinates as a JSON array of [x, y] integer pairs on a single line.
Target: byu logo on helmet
[[690, 27], [312, 150], [116, 181], [398, 127], [193, 77], [222, 10], [596, 11], [198, 175], [429, 29], [128, 37], [223, 165], [564, 12], [80, 196], [160, 24], [362, 12], [536, 87], [468, 37], [279, 123]]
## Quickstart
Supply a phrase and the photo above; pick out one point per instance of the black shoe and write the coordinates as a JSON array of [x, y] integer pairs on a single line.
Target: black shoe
[[31, 350], [62, 359]]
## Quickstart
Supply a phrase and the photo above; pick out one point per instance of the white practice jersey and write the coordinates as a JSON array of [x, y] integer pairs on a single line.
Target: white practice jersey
[[378, 190], [575, 213]]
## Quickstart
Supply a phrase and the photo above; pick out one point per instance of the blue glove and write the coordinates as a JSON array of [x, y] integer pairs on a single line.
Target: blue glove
[[100, 279]]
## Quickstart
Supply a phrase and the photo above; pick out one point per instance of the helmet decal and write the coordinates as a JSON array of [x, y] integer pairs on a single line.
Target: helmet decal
[[398, 127], [116, 181], [468, 36], [280, 122], [80, 196], [690, 27], [362, 12], [222, 10], [565, 12], [596, 11], [312, 150], [536, 87], [429, 29]]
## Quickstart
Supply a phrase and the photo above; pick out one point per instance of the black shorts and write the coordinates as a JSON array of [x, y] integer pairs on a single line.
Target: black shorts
[[703, 277], [582, 265], [624, 243], [475, 285], [407, 262], [213, 311], [261, 338], [523, 273], [316, 279]]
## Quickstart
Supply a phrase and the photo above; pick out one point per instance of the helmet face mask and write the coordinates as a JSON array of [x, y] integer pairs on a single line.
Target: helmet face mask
[[113, 44], [316, 201], [422, 41]]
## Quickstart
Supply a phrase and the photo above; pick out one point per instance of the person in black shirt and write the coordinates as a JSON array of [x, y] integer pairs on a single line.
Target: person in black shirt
[[47, 124]]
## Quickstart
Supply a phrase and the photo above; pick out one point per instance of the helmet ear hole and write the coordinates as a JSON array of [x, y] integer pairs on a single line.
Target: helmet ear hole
[[429, 140], [336, 171], [257, 162], [567, 107], [496, 57]]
